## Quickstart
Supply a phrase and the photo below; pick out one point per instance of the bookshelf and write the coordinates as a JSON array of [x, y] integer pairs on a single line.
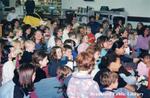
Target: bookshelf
[[50, 6]]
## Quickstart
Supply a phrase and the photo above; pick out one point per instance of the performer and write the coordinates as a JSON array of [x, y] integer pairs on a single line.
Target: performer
[[30, 6]]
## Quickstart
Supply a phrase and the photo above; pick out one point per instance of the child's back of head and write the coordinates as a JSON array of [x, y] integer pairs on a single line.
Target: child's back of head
[[109, 80]]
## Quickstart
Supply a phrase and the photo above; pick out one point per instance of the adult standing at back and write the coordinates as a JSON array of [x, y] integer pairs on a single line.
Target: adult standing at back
[[31, 17], [93, 24], [30, 6]]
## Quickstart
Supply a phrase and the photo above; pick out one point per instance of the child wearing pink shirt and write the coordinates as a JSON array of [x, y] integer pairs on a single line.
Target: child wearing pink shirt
[[144, 66]]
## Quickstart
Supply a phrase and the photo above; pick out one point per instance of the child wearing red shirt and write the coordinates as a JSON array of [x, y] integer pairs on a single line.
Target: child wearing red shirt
[[90, 35]]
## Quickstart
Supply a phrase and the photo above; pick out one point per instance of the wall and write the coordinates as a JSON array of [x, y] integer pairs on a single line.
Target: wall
[[133, 7], [12, 3]]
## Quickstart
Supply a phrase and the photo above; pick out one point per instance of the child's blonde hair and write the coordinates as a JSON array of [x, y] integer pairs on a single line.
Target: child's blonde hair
[[17, 30], [16, 44], [28, 43], [18, 47]]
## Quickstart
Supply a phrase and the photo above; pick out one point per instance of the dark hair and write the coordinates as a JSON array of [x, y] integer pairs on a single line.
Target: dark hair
[[107, 60], [41, 27], [144, 28], [118, 44], [92, 17], [144, 54], [38, 56], [18, 2], [70, 41], [14, 21], [67, 47], [115, 27], [105, 21], [140, 30], [123, 38], [7, 27], [101, 40], [12, 8], [25, 27], [53, 55], [5, 52], [53, 21], [140, 24]]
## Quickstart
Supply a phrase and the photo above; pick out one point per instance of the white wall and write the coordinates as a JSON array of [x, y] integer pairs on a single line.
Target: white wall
[[12, 3], [133, 7]]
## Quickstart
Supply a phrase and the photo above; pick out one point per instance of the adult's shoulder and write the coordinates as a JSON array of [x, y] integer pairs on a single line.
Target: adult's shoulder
[[48, 88], [7, 89]]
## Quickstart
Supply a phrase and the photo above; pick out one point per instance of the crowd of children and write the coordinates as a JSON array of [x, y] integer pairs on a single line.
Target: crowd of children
[[75, 61]]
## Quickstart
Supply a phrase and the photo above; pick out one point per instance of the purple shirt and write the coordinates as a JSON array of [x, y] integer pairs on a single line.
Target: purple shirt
[[143, 42]]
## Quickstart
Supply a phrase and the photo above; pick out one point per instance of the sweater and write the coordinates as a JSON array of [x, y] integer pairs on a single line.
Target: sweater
[[26, 57], [54, 64], [48, 88], [8, 71], [40, 74], [142, 69], [77, 89]]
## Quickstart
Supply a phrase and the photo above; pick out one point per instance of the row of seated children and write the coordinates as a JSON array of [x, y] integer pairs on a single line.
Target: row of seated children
[[82, 51]]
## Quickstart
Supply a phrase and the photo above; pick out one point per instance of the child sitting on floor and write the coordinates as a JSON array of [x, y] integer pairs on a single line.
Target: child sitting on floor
[[109, 81], [27, 54], [144, 66]]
